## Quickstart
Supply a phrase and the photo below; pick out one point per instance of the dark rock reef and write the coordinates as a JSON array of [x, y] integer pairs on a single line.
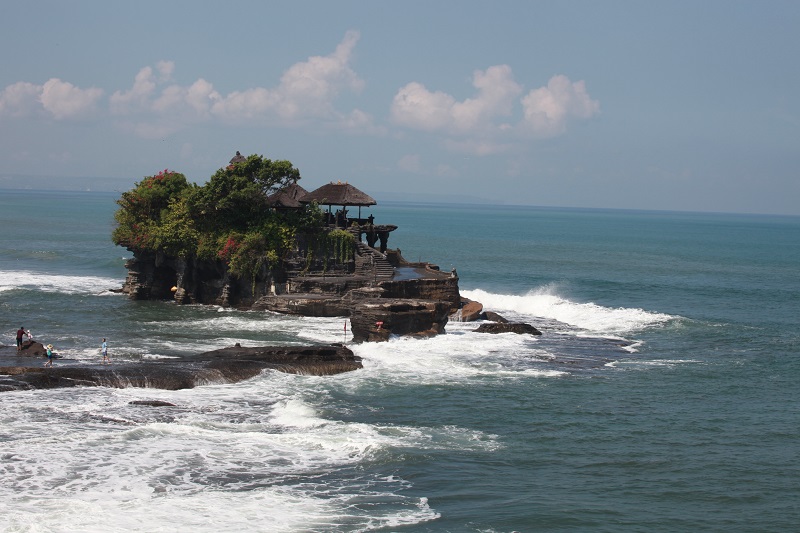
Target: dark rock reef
[[227, 365], [508, 327]]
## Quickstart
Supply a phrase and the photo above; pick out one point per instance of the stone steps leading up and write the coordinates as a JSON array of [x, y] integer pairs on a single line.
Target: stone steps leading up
[[370, 261]]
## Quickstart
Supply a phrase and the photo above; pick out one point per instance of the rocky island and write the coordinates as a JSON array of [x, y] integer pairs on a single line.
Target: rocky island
[[253, 238]]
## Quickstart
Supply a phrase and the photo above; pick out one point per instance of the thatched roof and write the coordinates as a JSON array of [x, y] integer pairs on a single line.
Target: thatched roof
[[287, 197], [338, 194], [238, 158]]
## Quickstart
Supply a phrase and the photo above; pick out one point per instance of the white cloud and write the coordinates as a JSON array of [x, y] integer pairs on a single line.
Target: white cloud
[[136, 98], [485, 124], [64, 100], [61, 99], [548, 109], [358, 121], [165, 69], [495, 119], [307, 90], [20, 99], [416, 107], [157, 109], [497, 92]]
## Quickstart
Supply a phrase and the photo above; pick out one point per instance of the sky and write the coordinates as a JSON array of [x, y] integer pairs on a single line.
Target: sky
[[679, 105]]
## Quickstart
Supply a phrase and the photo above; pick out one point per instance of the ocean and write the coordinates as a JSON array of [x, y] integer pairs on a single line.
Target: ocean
[[661, 396]]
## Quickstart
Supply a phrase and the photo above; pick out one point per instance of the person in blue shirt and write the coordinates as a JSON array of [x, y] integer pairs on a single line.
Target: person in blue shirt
[[104, 349]]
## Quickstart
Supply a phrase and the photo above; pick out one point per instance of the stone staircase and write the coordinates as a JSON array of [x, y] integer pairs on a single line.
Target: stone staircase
[[370, 262]]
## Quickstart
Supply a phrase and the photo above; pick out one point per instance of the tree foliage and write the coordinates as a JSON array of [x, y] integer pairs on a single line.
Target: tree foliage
[[143, 208], [228, 219], [236, 196]]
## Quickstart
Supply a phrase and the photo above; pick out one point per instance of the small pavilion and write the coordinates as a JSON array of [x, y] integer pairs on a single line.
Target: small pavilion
[[346, 195], [287, 197], [339, 194]]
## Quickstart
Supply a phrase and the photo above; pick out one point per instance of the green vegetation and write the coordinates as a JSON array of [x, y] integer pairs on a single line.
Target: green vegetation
[[336, 244], [228, 219]]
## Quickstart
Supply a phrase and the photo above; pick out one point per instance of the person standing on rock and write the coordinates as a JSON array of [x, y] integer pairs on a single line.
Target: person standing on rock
[[49, 355], [20, 334], [104, 350]]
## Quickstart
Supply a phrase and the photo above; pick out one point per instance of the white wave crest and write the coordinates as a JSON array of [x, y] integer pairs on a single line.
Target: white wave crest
[[11, 280], [545, 303]]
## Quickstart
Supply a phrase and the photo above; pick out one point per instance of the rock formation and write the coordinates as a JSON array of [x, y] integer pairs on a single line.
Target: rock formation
[[470, 310], [375, 320], [228, 365], [508, 327], [492, 316]]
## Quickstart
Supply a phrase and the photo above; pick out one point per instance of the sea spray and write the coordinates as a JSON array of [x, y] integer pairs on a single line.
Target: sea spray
[[546, 303]]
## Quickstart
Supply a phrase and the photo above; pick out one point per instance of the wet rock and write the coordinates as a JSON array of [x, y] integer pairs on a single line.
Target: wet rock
[[493, 317], [152, 403], [376, 319], [303, 305], [441, 287], [470, 310], [32, 348], [508, 327], [227, 365]]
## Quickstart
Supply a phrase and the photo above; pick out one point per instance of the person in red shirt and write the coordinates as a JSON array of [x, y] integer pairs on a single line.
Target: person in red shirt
[[20, 334]]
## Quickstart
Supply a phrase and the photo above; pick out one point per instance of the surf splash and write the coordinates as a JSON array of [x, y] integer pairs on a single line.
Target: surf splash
[[544, 302], [53, 283]]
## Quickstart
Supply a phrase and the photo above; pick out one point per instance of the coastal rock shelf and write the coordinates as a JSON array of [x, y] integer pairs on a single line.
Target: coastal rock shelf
[[253, 238], [226, 365]]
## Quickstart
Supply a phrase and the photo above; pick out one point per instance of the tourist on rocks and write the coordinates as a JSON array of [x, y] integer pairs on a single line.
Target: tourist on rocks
[[20, 334], [104, 350], [49, 355]]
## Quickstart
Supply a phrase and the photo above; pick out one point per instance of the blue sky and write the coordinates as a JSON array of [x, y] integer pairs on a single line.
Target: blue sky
[[636, 104]]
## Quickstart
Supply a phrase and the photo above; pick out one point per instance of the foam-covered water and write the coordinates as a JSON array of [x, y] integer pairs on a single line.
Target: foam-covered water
[[661, 395]]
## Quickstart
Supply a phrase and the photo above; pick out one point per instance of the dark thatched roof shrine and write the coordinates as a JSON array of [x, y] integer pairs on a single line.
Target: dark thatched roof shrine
[[238, 158], [288, 197], [338, 194]]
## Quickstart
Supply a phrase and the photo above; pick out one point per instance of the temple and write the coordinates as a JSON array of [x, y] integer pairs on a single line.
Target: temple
[[358, 277]]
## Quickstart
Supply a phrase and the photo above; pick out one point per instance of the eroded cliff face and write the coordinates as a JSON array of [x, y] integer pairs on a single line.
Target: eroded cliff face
[[419, 304], [375, 320], [155, 276], [444, 288], [158, 277]]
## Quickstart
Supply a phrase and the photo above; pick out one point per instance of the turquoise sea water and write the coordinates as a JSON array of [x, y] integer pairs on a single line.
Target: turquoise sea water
[[662, 395]]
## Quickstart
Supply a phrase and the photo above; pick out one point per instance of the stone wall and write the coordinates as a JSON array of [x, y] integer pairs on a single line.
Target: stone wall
[[443, 287]]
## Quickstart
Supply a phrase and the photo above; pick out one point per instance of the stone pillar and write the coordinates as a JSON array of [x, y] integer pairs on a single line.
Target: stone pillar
[[371, 237], [384, 237]]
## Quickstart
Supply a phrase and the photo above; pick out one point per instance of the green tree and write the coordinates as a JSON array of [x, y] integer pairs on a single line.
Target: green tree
[[176, 234], [236, 197], [142, 208], [228, 219]]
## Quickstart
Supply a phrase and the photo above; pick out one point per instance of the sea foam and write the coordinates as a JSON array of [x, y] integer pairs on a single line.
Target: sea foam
[[546, 303], [15, 279]]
